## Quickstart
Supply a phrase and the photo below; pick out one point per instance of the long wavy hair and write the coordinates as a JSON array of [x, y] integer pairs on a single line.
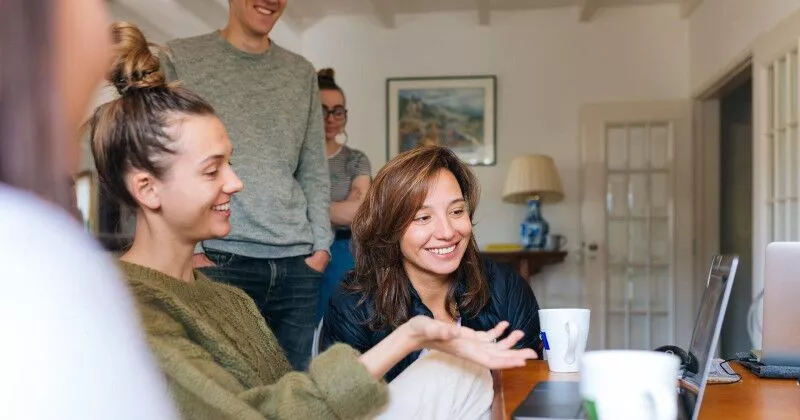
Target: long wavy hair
[[393, 199]]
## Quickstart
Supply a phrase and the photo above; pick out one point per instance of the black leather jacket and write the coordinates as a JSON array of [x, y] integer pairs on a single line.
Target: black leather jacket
[[510, 299]]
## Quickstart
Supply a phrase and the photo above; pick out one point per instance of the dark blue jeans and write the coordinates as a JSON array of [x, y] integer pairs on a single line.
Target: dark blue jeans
[[285, 290], [341, 262]]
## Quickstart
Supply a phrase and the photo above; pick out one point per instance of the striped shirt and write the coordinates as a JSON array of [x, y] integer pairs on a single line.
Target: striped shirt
[[344, 167]]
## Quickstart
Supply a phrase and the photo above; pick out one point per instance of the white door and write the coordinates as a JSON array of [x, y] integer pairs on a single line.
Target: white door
[[776, 146], [636, 223]]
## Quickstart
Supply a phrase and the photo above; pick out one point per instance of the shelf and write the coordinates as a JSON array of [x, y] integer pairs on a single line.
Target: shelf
[[527, 263]]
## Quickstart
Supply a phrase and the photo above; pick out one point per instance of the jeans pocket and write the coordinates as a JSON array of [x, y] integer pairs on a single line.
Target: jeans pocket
[[220, 258], [302, 262]]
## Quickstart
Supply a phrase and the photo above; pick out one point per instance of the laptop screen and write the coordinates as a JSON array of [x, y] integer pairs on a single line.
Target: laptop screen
[[706, 333]]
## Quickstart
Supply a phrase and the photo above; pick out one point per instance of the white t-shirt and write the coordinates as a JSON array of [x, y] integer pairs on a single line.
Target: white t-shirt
[[71, 346]]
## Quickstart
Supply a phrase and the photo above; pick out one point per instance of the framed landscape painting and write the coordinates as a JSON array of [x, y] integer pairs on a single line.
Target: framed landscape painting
[[456, 112]]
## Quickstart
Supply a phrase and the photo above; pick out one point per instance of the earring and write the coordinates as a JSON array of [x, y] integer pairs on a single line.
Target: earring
[[341, 138]]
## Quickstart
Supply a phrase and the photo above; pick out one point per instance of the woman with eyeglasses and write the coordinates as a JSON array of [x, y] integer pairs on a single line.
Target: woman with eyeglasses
[[350, 178]]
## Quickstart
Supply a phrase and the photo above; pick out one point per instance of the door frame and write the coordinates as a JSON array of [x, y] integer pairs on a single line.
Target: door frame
[[591, 116], [766, 47]]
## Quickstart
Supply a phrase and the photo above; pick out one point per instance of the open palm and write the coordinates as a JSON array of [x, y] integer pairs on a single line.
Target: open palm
[[481, 347]]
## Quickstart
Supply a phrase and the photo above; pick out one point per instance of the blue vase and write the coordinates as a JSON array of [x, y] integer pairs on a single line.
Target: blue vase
[[534, 229]]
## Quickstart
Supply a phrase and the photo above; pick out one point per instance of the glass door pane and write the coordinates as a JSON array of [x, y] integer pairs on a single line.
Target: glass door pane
[[639, 199]]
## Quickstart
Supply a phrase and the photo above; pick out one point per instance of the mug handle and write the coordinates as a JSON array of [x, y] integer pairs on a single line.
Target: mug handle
[[664, 404], [572, 343]]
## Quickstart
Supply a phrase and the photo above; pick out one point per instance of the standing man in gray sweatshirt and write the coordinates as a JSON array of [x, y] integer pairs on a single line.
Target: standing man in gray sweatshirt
[[269, 101]]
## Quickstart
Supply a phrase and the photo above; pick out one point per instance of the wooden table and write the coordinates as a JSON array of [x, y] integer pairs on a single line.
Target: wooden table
[[527, 263], [751, 398]]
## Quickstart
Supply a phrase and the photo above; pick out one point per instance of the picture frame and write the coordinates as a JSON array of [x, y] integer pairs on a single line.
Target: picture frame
[[458, 112]]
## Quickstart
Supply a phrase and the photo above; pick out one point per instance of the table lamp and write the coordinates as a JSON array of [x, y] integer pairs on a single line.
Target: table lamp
[[533, 179]]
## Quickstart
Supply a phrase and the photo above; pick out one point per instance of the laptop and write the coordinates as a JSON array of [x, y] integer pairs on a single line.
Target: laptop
[[780, 338], [562, 400]]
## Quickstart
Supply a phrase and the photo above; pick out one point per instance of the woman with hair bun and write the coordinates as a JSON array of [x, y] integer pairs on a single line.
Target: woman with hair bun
[[351, 175], [161, 149]]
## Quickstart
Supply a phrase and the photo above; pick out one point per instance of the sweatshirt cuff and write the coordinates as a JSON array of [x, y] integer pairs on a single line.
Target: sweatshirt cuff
[[321, 246], [346, 384]]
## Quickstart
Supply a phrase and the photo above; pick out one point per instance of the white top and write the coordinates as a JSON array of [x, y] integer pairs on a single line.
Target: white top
[[72, 347]]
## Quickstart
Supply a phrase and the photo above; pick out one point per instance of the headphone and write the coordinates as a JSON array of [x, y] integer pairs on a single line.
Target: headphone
[[688, 361]]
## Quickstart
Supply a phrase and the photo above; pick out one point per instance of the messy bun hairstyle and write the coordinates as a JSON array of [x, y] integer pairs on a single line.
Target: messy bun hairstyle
[[326, 81], [133, 131]]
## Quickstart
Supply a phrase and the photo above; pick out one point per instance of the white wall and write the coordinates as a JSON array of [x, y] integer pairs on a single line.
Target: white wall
[[286, 37], [721, 31], [282, 34], [547, 63]]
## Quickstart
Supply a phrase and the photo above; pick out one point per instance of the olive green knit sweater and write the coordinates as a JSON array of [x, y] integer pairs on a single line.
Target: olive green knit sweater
[[222, 362]]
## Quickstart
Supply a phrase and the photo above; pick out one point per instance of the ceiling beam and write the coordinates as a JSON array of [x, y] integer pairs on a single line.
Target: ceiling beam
[[484, 12], [153, 32], [588, 9], [210, 12], [384, 9], [688, 7]]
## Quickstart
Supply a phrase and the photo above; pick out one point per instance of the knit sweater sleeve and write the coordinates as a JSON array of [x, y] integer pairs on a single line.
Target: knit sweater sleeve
[[312, 172], [336, 386]]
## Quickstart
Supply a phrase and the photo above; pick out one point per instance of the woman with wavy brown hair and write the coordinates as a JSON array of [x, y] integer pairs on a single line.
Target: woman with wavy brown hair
[[416, 255]]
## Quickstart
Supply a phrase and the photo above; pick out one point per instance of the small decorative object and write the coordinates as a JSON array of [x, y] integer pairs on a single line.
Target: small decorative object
[[455, 112], [555, 242], [533, 179]]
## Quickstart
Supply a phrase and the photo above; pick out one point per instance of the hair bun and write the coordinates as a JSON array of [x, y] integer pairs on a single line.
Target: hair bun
[[135, 66], [326, 73]]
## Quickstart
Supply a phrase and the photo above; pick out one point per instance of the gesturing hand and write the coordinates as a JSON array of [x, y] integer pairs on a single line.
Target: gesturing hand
[[480, 347]]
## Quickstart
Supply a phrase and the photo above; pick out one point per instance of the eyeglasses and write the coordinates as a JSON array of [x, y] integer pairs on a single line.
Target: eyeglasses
[[338, 112]]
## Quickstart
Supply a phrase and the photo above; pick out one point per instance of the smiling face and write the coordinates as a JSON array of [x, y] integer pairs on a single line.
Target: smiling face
[[195, 192], [434, 243], [257, 17]]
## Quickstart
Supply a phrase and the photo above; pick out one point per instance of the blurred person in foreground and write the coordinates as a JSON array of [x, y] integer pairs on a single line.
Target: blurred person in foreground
[[72, 347]]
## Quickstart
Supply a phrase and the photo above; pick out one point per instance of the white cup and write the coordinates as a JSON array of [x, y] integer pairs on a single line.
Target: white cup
[[629, 385], [564, 334]]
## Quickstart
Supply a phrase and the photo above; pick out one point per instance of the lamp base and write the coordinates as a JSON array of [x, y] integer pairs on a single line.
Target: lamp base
[[534, 229]]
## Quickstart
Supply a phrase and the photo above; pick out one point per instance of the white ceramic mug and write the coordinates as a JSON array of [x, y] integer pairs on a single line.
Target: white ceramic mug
[[564, 334], [629, 385]]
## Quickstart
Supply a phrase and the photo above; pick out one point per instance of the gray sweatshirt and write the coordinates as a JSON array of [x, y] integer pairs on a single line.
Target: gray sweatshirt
[[270, 106]]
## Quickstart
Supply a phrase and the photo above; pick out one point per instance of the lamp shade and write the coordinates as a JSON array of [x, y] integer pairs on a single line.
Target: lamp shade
[[533, 175]]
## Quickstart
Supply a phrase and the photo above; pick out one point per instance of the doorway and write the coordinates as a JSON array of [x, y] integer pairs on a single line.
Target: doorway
[[736, 210]]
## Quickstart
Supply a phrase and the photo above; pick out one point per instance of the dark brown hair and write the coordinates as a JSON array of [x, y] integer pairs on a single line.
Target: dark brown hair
[[32, 138], [326, 80], [392, 201], [131, 131]]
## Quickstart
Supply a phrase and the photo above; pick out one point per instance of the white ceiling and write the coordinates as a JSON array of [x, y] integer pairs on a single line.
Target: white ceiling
[[198, 16]]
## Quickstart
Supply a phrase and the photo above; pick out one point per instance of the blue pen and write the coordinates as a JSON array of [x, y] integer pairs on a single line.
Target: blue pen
[[543, 336]]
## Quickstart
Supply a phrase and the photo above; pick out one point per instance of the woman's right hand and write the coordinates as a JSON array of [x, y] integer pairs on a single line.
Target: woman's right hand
[[480, 347], [420, 332]]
